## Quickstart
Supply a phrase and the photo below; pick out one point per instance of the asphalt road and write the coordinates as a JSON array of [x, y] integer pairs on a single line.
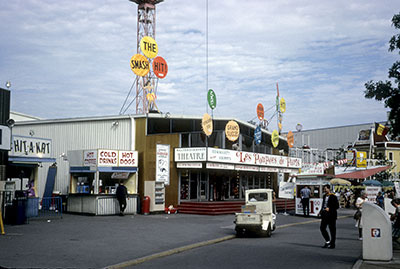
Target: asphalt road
[[95, 242], [296, 246]]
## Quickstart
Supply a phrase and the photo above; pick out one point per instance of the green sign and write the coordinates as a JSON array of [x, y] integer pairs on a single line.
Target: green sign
[[212, 99]]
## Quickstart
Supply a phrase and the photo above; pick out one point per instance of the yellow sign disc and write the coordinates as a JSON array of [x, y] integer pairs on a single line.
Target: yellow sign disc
[[232, 130], [282, 105], [140, 65], [149, 46], [207, 124], [275, 138]]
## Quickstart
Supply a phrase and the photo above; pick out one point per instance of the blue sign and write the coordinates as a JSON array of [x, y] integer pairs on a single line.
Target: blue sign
[[257, 135]]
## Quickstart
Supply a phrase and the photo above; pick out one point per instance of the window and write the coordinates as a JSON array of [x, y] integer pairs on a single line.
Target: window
[[157, 126], [184, 140], [391, 156]]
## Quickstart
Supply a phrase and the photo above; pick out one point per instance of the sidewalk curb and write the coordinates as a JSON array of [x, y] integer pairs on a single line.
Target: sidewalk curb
[[195, 245], [170, 252]]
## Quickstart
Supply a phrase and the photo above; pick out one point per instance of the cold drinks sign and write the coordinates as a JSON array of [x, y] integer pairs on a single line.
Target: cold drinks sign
[[112, 158]]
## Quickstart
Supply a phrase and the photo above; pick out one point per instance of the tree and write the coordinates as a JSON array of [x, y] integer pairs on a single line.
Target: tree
[[385, 91]]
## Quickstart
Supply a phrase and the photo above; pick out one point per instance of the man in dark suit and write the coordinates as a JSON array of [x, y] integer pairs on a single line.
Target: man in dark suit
[[328, 215]]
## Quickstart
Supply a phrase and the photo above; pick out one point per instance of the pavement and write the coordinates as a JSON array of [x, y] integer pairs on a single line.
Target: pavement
[[80, 241]]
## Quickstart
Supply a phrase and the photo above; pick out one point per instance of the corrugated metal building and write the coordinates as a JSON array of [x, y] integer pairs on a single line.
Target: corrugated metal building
[[331, 137], [113, 132]]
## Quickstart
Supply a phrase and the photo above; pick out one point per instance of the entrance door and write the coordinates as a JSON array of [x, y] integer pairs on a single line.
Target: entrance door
[[193, 186], [203, 187]]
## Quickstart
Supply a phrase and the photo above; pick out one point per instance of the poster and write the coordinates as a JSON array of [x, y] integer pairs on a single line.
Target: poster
[[372, 192], [162, 163]]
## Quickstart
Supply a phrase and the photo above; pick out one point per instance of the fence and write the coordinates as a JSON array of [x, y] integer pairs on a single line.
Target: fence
[[19, 209]]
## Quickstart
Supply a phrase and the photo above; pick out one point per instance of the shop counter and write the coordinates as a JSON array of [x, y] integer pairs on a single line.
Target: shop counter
[[100, 204]]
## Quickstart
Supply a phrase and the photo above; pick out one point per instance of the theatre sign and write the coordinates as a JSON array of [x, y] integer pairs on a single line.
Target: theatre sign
[[235, 157]]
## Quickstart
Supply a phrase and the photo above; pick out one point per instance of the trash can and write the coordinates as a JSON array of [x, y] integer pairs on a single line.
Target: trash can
[[146, 205], [19, 205]]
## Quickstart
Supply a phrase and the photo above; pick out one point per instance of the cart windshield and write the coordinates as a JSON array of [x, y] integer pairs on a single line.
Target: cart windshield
[[258, 197]]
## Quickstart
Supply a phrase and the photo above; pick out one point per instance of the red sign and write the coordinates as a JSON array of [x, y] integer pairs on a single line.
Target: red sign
[[260, 111], [160, 67]]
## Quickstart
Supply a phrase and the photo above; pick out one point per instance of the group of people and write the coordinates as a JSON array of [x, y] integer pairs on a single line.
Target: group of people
[[330, 205]]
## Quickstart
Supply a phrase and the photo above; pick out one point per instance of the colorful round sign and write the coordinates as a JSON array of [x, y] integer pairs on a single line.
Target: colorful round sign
[[282, 105], [160, 67], [275, 138], [232, 131], [260, 111], [212, 99], [290, 139], [140, 65], [207, 124], [149, 46]]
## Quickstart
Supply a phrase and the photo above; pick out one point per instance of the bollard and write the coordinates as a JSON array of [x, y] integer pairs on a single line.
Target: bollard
[[377, 233]]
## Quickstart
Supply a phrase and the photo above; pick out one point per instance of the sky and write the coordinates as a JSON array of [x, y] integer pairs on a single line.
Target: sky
[[69, 59]]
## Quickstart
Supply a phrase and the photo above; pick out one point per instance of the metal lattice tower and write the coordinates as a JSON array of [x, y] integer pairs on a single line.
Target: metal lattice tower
[[146, 26]]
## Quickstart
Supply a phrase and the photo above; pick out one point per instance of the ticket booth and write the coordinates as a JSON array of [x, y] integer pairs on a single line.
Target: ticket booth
[[315, 183]]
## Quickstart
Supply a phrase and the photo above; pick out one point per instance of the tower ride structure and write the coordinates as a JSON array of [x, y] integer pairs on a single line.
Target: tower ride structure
[[146, 26]]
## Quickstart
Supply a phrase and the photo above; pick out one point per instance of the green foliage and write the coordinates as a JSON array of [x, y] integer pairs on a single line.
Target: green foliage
[[385, 91]]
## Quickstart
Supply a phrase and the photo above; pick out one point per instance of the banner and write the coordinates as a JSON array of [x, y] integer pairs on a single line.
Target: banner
[[286, 190]]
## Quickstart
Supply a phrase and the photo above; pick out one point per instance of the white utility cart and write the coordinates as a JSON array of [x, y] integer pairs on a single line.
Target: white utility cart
[[257, 215]]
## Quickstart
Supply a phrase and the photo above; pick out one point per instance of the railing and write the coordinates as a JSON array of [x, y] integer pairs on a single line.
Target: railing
[[50, 207]]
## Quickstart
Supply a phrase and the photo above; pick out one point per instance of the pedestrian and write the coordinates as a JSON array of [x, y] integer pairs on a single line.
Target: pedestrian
[[328, 216], [121, 194], [359, 202], [395, 217], [347, 198], [380, 200], [305, 200]]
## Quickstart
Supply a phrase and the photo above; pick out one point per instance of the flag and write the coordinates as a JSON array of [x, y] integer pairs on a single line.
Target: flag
[[381, 129]]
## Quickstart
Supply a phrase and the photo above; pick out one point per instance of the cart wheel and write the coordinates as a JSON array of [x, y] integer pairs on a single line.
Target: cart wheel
[[240, 233], [268, 233]]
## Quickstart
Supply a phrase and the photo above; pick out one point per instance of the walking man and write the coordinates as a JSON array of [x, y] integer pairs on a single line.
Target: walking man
[[328, 215], [305, 200], [121, 194]]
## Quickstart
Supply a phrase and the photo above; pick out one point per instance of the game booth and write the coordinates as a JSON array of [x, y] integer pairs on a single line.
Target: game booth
[[315, 183]]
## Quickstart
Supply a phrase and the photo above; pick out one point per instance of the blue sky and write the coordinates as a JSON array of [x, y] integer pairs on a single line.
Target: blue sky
[[71, 58]]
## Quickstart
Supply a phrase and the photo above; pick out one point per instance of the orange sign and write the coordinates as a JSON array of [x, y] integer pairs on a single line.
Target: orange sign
[[260, 111], [160, 67], [140, 65], [290, 139]]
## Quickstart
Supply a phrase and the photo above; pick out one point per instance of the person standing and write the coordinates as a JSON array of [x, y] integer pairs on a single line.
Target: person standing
[[395, 217], [328, 215], [359, 202], [305, 200], [121, 194], [380, 200]]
